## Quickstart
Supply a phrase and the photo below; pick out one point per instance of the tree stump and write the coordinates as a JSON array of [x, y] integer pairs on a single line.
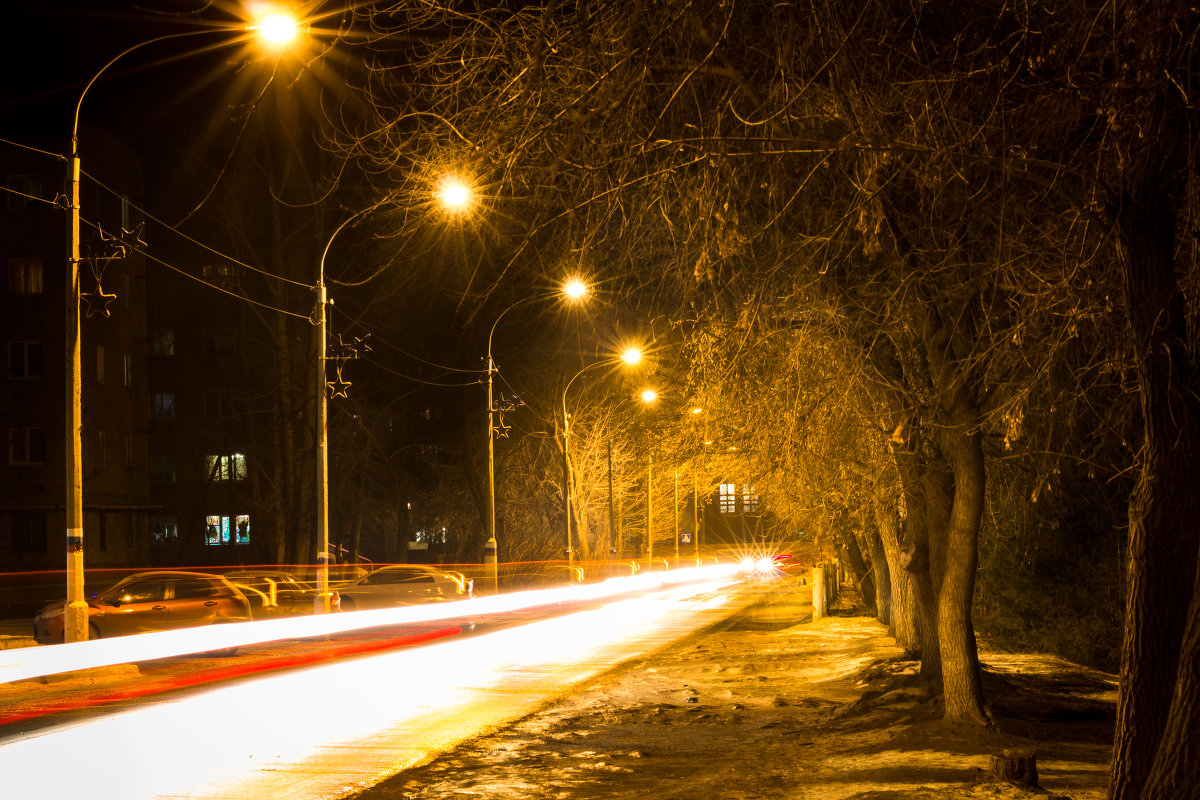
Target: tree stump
[[1015, 766]]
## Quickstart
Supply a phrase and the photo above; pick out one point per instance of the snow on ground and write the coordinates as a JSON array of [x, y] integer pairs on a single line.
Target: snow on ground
[[771, 704]]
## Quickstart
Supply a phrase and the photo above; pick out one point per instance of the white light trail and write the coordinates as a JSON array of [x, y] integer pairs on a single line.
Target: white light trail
[[333, 729], [32, 662]]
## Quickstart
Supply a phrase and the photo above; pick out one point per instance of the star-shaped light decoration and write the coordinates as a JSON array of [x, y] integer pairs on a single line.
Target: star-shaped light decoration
[[98, 301], [501, 429], [338, 387]]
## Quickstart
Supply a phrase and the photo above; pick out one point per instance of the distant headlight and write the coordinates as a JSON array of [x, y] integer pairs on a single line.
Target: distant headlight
[[757, 566]]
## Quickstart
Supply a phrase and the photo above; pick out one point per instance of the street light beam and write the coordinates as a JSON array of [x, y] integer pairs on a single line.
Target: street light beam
[[277, 28]]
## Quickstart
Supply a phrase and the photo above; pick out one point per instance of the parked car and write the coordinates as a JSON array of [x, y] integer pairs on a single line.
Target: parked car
[[151, 601], [403, 584], [276, 592]]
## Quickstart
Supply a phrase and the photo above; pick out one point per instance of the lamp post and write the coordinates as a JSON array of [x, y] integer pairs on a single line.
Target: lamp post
[[321, 341], [275, 29], [631, 356], [649, 396], [573, 290]]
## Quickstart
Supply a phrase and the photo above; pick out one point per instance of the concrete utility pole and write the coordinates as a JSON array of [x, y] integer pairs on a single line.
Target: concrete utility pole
[[76, 619]]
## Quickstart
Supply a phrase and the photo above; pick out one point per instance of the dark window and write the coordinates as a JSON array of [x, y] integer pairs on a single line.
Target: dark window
[[24, 276], [220, 340], [162, 469], [392, 576], [140, 592], [27, 192], [164, 530], [24, 360], [163, 343], [218, 404], [190, 588], [26, 446], [28, 532], [163, 408]]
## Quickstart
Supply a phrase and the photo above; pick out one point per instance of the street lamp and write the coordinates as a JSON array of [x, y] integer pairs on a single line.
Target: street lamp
[[321, 338], [573, 290], [76, 618], [631, 356], [649, 396]]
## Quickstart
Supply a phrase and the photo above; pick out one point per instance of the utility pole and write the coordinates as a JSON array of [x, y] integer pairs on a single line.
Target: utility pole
[[611, 513], [649, 509], [322, 600], [76, 620], [490, 556], [675, 505]]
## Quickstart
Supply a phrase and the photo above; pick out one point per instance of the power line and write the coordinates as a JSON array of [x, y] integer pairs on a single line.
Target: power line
[[212, 250], [199, 280]]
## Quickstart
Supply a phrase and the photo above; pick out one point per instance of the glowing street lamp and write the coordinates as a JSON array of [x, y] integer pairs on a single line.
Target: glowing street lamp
[[76, 619], [631, 356], [574, 290], [455, 195], [649, 397], [277, 28]]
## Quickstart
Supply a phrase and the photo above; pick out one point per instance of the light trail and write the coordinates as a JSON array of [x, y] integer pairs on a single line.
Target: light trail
[[334, 729], [33, 662]]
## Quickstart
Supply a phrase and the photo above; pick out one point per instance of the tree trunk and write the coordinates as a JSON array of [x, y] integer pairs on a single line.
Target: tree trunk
[[882, 572], [956, 634], [903, 602], [852, 555], [1158, 706]]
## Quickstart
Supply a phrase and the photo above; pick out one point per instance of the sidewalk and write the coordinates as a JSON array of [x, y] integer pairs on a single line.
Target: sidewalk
[[773, 705], [16, 633]]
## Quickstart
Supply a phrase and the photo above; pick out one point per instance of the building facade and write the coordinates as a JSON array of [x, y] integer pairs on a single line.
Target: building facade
[[33, 395]]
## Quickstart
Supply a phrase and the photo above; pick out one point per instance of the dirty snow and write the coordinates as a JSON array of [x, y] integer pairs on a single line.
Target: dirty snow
[[771, 704]]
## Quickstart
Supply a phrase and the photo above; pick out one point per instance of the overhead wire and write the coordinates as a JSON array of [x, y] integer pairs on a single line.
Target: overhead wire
[[196, 242], [173, 228], [199, 280], [407, 354]]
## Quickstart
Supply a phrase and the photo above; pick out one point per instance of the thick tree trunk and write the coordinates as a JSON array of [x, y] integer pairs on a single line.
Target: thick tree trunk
[[852, 556], [956, 634], [922, 487], [882, 574], [903, 626], [1158, 708]]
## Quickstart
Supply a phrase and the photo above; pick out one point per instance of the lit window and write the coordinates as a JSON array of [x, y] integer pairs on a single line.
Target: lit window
[[24, 276], [164, 530], [163, 409], [230, 467], [728, 498], [128, 450], [163, 343], [128, 363], [102, 447], [26, 446], [749, 498], [24, 360], [162, 469], [221, 530]]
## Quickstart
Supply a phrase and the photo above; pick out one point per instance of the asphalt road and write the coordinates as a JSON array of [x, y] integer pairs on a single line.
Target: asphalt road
[[320, 719]]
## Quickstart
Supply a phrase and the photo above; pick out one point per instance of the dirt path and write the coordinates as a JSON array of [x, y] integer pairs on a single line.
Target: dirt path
[[770, 705]]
